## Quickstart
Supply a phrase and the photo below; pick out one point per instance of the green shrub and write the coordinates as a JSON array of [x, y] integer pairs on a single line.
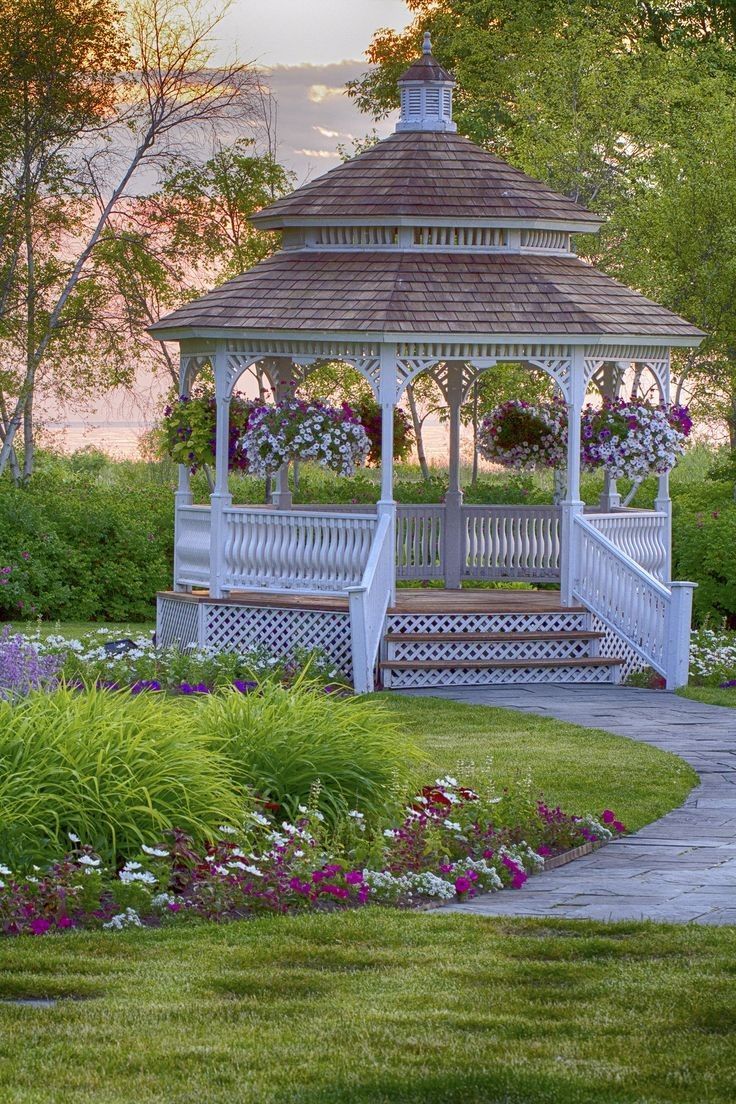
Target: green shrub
[[85, 545], [281, 742], [112, 769]]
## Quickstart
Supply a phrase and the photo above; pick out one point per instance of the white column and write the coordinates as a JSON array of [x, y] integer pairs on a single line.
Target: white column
[[572, 504], [387, 389], [610, 498], [183, 495], [220, 499], [663, 501], [282, 497], [453, 535]]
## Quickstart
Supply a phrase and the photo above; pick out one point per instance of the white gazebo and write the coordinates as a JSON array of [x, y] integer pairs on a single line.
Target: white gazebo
[[429, 254]]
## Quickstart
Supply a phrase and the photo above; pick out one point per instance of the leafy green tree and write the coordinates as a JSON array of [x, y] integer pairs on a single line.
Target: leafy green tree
[[90, 98]]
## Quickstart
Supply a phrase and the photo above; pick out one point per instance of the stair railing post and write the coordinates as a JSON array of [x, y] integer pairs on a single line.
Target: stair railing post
[[677, 635]]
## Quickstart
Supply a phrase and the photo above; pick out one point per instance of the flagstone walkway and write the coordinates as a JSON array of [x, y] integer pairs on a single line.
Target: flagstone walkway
[[681, 868]]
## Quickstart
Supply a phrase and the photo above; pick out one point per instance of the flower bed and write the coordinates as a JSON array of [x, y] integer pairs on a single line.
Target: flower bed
[[713, 657], [452, 843], [137, 664]]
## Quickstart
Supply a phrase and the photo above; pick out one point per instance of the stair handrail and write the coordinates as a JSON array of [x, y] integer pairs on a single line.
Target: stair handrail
[[368, 603], [653, 619]]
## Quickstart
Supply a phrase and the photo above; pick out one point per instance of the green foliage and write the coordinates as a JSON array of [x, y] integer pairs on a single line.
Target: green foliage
[[115, 770], [289, 744], [92, 546], [704, 527]]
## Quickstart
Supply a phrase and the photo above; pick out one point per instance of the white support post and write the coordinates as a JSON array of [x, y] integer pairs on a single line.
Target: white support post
[[183, 495], [282, 497], [610, 498], [387, 389], [220, 499], [677, 635], [572, 504], [663, 501], [663, 505], [453, 534]]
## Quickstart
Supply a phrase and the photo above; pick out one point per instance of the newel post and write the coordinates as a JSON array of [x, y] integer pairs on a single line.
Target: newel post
[[453, 533], [572, 504], [677, 635], [220, 499], [183, 495]]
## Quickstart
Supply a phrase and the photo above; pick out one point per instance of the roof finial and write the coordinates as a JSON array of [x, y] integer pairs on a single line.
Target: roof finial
[[427, 44]]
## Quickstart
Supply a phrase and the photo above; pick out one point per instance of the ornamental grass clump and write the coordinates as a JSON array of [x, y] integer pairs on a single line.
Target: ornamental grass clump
[[113, 769], [279, 742]]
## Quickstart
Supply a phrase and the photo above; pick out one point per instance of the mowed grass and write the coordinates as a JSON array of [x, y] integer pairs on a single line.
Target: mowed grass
[[711, 695], [373, 1006], [75, 629], [584, 770]]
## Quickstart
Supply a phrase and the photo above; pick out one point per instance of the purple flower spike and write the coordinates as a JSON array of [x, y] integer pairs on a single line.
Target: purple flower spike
[[145, 684], [197, 688]]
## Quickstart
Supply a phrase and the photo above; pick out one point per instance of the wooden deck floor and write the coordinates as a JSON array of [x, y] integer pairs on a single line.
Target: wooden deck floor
[[424, 600]]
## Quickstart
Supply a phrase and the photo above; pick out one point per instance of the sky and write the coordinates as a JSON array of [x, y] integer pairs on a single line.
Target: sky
[[309, 49]]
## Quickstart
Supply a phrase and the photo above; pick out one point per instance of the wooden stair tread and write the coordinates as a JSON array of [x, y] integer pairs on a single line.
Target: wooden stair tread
[[485, 637], [488, 664]]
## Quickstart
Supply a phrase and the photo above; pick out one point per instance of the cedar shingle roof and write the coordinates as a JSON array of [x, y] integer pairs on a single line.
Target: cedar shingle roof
[[425, 174], [426, 68], [447, 293]]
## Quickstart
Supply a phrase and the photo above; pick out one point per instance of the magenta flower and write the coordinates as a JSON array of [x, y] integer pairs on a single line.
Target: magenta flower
[[39, 925], [354, 877], [608, 816], [463, 885]]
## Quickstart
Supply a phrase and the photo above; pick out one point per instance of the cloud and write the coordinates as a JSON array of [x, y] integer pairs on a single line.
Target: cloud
[[318, 93], [300, 116], [318, 153]]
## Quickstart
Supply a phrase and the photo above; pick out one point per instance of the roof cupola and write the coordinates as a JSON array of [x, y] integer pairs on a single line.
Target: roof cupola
[[426, 94]]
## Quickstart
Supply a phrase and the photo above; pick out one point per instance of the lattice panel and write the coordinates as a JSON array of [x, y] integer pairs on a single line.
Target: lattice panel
[[504, 676], [614, 646], [562, 621], [476, 650], [176, 622], [280, 631]]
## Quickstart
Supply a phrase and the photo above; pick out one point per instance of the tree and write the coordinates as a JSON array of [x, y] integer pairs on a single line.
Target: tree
[[598, 99], [91, 99]]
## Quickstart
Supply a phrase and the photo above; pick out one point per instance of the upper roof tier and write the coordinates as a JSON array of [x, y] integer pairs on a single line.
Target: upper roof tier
[[420, 175]]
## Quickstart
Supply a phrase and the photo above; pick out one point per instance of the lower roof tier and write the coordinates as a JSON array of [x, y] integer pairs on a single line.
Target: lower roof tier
[[410, 293]]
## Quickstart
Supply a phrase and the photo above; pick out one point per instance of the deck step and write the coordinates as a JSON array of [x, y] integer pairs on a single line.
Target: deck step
[[488, 637], [492, 664]]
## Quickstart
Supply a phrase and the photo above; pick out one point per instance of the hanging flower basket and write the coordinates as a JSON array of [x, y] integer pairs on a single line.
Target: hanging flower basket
[[295, 430], [631, 439], [525, 436], [368, 413], [189, 428]]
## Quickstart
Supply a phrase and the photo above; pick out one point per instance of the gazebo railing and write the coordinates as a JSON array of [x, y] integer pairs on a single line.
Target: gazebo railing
[[292, 550], [642, 535], [511, 542], [324, 548]]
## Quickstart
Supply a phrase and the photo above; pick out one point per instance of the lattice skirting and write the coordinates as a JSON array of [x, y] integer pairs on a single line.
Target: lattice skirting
[[239, 628], [486, 622], [523, 650], [612, 645], [505, 676], [176, 622]]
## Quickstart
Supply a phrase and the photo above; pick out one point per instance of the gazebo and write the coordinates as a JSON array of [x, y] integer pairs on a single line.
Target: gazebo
[[428, 254]]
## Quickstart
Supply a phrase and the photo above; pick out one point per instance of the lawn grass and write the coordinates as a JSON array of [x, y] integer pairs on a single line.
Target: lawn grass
[[72, 629], [585, 770], [373, 1006], [711, 695]]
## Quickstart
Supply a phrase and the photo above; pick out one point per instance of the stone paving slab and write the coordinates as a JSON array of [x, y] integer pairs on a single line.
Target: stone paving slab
[[679, 869]]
